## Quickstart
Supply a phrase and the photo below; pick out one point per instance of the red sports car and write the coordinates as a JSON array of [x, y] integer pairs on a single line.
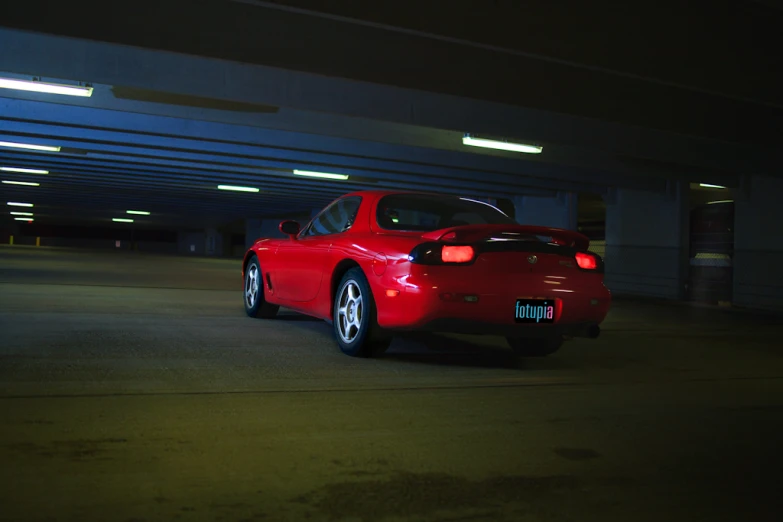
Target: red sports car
[[376, 262]]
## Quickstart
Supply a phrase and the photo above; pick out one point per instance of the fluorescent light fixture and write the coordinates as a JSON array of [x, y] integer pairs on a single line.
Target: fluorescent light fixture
[[29, 146], [238, 189], [138, 212], [45, 87], [23, 170], [21, 213], [707, 185], [323, 175], [122, 220], [24, 219], [501, 145], [17, 204], [721, 201], [26, 183]]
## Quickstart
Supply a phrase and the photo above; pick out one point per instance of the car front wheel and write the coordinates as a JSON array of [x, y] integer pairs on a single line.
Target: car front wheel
[[253, 293], [355, 324]]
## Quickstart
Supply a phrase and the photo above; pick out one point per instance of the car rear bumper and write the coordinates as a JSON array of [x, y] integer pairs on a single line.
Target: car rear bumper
[[487, 307]]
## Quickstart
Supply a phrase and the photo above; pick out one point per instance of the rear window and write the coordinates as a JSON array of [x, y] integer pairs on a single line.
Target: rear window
[[421, 212]]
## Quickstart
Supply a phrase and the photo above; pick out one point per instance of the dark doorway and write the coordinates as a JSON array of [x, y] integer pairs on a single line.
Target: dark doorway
[[711, 254], [591, 220]]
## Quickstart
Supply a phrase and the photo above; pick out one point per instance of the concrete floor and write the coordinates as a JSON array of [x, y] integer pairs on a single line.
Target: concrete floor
[[134, 388]]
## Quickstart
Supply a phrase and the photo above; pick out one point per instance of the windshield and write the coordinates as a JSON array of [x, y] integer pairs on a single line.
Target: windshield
[[422, 212]]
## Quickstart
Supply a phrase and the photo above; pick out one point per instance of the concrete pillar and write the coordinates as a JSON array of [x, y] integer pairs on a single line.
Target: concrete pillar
[[758, 243], [647, 237], [559, 211], [213, 242]]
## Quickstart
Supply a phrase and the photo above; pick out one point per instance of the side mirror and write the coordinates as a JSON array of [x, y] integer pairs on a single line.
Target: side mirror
[[289, 228]]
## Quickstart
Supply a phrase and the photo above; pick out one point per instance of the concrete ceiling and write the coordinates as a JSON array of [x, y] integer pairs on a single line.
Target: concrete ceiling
[[116, 158], [162, 130]]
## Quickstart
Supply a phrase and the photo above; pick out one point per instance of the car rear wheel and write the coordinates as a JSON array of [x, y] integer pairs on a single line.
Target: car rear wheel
[[527, 347], [355, 320], [253, 293]]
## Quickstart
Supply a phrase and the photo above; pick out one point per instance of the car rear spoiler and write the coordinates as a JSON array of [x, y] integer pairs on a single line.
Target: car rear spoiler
[[469, 233]]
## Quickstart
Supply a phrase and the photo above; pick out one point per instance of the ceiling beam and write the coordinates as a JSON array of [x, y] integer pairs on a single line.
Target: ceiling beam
[[58, 57], [294, 150]]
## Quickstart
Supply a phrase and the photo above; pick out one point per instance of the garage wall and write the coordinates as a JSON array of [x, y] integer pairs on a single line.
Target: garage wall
[[646, 242], [160, 247], [192, 243]]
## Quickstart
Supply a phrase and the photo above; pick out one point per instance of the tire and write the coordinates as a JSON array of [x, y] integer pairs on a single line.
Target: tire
[[534, 347], [355, 319], [253, 293]]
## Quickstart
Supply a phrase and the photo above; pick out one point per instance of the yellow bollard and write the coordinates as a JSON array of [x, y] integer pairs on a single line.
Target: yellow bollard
[[11, 241], [38, 241]]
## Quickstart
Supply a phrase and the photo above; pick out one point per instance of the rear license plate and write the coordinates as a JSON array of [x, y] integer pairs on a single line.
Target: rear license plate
[[535, 311]]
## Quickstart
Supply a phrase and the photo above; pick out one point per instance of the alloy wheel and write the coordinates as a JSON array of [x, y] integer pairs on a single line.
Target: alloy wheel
[[252, 279], [349, 311]]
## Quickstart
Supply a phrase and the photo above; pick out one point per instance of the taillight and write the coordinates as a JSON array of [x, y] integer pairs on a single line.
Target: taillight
[[457, 254], [435, 253], [586, 261]]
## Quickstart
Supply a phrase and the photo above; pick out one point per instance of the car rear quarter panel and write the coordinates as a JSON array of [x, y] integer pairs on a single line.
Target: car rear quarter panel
[[383, 260]]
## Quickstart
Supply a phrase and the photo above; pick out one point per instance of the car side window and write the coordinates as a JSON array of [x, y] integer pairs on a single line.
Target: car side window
[[337, 217]]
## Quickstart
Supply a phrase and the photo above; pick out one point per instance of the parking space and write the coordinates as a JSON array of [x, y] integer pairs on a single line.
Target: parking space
[[135, 388]]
